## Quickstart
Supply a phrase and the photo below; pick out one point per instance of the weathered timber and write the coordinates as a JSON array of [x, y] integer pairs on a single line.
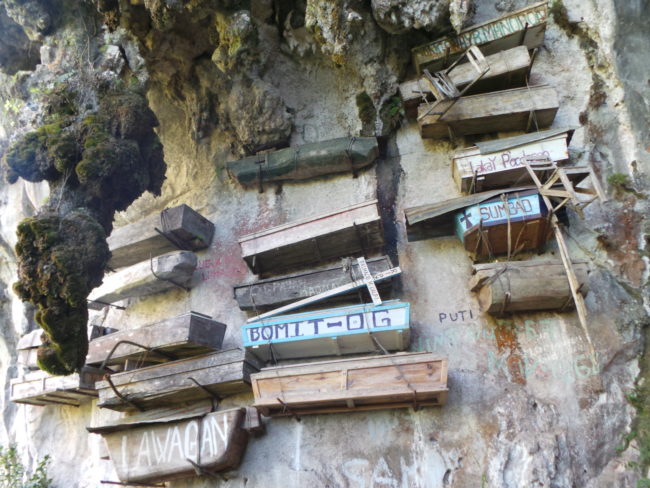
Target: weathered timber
[[167, 444], [519, 286], [345, 154], [508, 110], [507, 70], [351, 231], [337, 331], [27, 348], [266, 294], [172, 229], [189, 334], [220, 373], [522, 27], [159, 274], [40, 388], [475, 170], [365, 383]]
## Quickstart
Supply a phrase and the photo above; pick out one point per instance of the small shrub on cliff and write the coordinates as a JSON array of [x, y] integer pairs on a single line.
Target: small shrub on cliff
[[14, 475]]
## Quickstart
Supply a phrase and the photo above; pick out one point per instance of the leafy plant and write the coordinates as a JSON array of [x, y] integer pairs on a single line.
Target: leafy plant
[[14, 475]]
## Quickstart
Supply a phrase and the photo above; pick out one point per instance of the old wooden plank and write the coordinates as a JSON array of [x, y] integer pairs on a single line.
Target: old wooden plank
[[507, 110], [40, 388], [382, 380], [345, 154], [172, 229], [167, 450], [521, 27], [353, 230], [222, 373], [507, 70], [159, 274], [344, 330], [475, 171], [189, 334], [525, 286], [264, 294]]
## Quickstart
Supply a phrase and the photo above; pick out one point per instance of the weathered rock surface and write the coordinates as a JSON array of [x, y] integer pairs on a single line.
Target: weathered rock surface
[[399, 16]]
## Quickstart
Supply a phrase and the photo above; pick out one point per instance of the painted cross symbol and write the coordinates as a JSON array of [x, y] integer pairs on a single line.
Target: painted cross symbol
[[369, 281], [465, 218]]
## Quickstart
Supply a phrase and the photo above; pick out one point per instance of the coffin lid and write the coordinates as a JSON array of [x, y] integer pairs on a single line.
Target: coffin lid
[[30, 340], [155, 416], [441, 214], [498, 145]]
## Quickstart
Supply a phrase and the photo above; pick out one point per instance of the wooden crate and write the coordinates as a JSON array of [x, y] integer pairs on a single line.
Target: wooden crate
[[365, 383], [336, 331], [521, 27], [221, 373], [40, 388], [345, 154], [273, 292], [508, 69], [158, 445], [501, 163], [519, 286], [189, 334], [174, 228], [483, 228], [519, 109], [351, 231]]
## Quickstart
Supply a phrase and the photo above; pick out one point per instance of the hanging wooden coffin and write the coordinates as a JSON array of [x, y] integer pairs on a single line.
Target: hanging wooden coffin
[[189, 334], [337, 331], [519, 109], [172, 229], [273, 292], [161, 273], [483, 228], [345, 154], [27, 348], [501, 163], [365, 383], [519, 286], [353, 230], [166, 444], [216, 374], [507, 70], [41, 388], [521, 27]]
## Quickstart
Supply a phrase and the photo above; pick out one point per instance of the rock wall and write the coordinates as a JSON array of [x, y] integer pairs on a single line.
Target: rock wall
[[526, 407]]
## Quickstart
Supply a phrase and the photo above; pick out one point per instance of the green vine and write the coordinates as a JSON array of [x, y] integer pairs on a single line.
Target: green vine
[[13, 473]]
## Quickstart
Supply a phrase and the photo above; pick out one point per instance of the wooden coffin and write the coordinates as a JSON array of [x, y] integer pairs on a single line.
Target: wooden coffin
[[27, 348], [520, 286], [166, 444], [174, 228], [483, 228], [266, 294], [350, 231], [365, 383], [189, 334], [521, 27], [508, 110], [345, 154], [336, 331], [41, 388], [161, 273], [220, 373], [508, 69], [501, 163]]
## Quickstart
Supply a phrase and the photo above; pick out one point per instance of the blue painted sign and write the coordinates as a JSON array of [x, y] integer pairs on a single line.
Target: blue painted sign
[[497, 212], [343, 330]]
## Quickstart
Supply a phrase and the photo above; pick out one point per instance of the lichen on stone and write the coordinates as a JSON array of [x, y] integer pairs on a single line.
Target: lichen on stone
[[97, 149]]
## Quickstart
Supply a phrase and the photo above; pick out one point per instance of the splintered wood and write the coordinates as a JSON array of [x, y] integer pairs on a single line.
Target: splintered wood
[[379, 382]]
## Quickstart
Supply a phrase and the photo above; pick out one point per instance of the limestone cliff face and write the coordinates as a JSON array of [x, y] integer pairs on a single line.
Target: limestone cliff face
[[227, 78]]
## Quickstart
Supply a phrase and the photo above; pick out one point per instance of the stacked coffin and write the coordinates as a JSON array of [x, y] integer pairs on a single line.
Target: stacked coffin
[[154, 255], [351, 234], [168, 377], [488, 93]]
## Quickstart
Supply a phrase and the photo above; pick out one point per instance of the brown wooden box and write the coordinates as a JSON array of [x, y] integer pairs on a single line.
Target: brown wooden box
[[189, 334], [41, 388], [220, 373], [364, 383]]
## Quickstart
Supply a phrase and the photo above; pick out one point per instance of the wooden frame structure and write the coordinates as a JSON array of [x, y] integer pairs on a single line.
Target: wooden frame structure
[[40, 388]]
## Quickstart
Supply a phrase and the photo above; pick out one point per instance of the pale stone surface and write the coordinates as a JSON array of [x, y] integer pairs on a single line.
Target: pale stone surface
[[399, 16]]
